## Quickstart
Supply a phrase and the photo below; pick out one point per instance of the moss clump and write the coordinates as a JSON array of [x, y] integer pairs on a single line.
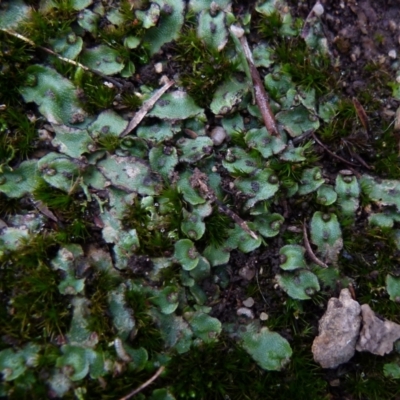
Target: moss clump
[[15, 56], [96, 96], [43, 26], [98, 286], [217, 225], [269, 26], [342, 125], [203, 69], [364, 379], [33, 308], [69, 209], [373, 255], [290, 173], [156, 231], [386, 155], [221, 372], [147, 334], [108, 142], [307, 69], [18, 136]]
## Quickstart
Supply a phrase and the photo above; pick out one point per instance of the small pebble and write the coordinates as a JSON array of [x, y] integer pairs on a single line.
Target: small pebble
[[249, 302], [392, 25], [218, 135], [246, 312], [247, 273], [263, 316], [392, 54], [158, 68], [318, 9]]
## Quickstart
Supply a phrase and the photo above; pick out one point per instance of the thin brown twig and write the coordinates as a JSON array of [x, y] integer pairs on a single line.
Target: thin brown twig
[[242, 223], [332, 153], [259, 287], [146, 107], [310, 252], [302, 137], [144, 385], [199, 180], [361, 161], [67, 60], [362, 115], [261, 96]]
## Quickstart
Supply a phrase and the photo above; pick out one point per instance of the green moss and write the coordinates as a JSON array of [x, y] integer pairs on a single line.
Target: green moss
[[221, 371], [308, 69], [108, 142], [366, 380], [27, 386], [10, 206], [96, 96], [370, 257], [70, 209], [269, 26], [14, 58], [118, 385], [147, 333], [114, 35], [155, 241], [217, 225], [98, 287], [43, 26], [18, 136], [237, 139], [33, 307], [76, 231], [131, 100], [303, 369], [342, 125], [386, 155], [54, 198], [165, 224], [203, 68], [289, 173]]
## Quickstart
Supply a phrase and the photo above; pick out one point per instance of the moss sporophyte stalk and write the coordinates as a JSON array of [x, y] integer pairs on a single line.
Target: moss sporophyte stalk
[[183, 187]]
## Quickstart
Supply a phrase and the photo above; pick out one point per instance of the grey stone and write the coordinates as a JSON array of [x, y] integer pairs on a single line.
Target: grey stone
[[338, 331], [218, 135], [377, 335]]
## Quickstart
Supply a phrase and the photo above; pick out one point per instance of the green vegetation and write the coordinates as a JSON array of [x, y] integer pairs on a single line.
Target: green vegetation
[[123, 252], [204, 68]]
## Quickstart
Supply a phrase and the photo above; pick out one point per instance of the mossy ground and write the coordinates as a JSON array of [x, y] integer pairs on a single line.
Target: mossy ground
[[33, 309]]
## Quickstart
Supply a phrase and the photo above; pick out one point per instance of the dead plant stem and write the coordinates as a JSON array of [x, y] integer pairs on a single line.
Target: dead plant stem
[[144, 385], [67, 60], [310, 252]]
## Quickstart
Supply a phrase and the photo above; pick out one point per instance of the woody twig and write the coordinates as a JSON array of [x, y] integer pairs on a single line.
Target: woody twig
[[144, 385], [362, 115], [260, 94], [146, 107], [309, 250], [64, 59], [199, 180]]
